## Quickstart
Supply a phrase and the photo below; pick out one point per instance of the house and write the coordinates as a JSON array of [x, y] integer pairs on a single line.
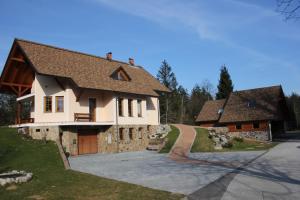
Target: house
[[256, 113], [91, 104]]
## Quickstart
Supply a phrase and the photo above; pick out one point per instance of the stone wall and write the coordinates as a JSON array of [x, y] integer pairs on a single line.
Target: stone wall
[[44, 132], [258, 135], [108, 140]]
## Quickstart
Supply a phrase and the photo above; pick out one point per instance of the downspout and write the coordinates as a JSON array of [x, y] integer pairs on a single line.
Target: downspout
[[270, 131], [117, 123]]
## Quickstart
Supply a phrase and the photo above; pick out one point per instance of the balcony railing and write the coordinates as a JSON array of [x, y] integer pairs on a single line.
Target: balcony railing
[[82, 117]]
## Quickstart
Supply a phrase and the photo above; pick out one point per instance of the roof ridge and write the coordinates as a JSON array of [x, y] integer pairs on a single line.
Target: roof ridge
[[273, 86], [72, 51]]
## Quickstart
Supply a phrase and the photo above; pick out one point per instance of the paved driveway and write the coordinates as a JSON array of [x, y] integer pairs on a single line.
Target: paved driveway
[[276, 175], [158, 171]]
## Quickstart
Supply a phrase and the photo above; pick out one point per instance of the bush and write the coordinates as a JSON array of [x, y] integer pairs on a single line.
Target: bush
[[228, 145], [239, 139]]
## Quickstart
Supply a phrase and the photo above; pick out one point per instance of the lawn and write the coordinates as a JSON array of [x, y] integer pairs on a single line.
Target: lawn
[[203, 144], [52, 181], [171, 139]]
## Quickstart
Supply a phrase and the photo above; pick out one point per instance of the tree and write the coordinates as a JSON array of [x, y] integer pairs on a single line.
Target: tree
[[225, 86], [167, 78], [293, 104], [7, 109], [199, 95], [290, 9]]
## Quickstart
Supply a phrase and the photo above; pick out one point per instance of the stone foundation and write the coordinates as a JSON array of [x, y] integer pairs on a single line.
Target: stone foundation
[[257, 135], [107, 137]]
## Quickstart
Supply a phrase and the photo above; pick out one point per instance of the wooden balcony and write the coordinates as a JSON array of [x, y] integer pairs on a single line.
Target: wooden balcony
[[25, 121]]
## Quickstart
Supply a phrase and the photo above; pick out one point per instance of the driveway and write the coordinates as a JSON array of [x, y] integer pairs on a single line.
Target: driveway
[[158, 171], [276, 175]]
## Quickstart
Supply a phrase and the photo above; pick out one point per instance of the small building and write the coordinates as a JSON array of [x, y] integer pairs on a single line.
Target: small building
[[90, 103], [256, 113]]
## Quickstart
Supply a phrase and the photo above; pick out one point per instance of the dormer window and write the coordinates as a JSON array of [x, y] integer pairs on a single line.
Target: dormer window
[[121, 75], [251, 104]]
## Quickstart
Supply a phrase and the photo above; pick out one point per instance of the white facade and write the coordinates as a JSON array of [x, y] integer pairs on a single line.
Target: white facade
[[106, 106]]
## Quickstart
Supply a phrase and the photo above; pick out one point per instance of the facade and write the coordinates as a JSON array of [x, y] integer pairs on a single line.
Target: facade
[[259, 113], [91, 104]]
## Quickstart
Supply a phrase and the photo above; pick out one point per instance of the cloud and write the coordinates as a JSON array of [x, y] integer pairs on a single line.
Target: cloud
[[214, 22]]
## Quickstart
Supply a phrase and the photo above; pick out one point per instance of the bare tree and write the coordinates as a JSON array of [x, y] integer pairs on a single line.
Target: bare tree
[[290, 9]]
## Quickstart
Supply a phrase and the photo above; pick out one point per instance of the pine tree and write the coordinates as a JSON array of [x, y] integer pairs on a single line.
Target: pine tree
[[167, 103], [225, 86]]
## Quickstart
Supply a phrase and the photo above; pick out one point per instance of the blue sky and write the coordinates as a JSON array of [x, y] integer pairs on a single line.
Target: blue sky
[[195, 37]]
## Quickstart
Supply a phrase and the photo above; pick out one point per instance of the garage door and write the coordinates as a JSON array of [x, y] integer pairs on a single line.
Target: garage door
[[87, 141]]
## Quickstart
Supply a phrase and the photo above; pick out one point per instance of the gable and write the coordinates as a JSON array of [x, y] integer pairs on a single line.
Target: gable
[[120, 74], [18, 75]]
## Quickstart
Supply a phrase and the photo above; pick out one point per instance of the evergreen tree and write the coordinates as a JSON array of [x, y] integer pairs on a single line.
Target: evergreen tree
[[225, 86], [167, 102], [7, 109]]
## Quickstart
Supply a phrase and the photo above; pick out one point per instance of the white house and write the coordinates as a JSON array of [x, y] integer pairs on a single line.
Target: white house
[[91, 104]]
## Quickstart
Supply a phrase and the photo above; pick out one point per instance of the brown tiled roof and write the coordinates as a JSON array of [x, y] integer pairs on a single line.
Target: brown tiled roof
[[89, 71], [265, 104], [209, 111]]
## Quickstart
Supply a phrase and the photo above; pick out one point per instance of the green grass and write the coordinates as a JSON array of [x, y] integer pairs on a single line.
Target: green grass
[[52, 181], [203, 144], [172, 137]]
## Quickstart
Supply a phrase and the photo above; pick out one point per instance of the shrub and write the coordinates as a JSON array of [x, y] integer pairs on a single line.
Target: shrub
[[228, 145], [239, 139]]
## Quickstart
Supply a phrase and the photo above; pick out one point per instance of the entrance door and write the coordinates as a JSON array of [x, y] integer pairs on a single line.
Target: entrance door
[[87, 141], [92, 109]]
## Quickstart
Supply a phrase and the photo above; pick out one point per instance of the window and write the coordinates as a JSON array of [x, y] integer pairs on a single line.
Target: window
[[238, 126], [139, 108], [131, 133], [256, 125], [59, 102], [48, 104], [37, 130], [148, 128], [130, 113], [120, 75], [120, 107], [121, 133]]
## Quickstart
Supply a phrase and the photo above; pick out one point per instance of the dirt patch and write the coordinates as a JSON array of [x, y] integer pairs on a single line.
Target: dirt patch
[[36, 197], [11, 187]]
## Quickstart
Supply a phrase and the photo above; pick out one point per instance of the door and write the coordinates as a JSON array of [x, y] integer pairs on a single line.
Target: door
[[92, 109], [87, 141]]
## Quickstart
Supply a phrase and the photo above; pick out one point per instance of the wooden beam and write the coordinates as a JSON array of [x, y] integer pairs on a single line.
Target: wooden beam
[[18, 60], [14, 89], [16, 84], [23, 91]]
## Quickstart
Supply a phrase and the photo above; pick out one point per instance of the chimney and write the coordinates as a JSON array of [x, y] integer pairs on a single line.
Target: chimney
[[109, 56], [131, 61]]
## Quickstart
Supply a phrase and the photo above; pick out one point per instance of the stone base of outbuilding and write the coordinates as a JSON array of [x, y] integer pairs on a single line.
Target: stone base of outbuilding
[[108, 140], [257, 135]]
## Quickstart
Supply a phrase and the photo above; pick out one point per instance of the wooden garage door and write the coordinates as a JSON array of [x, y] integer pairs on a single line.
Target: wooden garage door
[[87, 141]]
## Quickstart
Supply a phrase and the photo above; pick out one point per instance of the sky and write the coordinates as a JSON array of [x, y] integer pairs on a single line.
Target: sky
[[196, 37]]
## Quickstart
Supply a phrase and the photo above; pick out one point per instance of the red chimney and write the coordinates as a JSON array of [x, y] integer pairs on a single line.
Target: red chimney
[[131, 61], [109, 56]]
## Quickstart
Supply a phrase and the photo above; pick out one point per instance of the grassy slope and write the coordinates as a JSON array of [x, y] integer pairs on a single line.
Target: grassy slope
[[172, 137], [204, 144], [51, 181]]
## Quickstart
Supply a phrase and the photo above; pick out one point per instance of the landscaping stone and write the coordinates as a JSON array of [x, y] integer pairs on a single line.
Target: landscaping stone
[[14, 177]]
